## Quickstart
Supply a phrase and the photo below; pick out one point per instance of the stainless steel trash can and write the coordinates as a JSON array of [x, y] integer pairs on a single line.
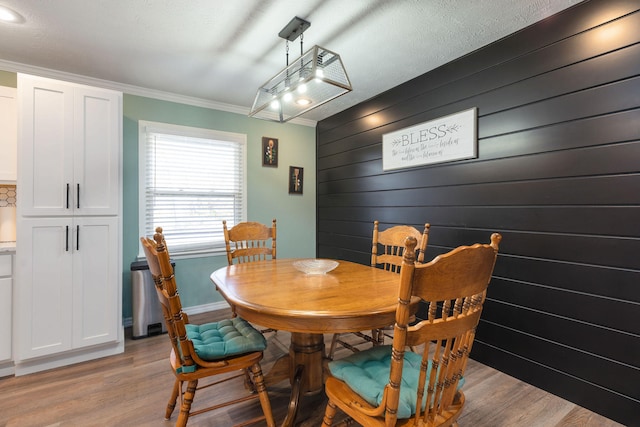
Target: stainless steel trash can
[[147, 312]]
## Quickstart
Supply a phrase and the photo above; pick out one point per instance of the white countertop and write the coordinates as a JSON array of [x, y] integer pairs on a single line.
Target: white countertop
[[7, 247]]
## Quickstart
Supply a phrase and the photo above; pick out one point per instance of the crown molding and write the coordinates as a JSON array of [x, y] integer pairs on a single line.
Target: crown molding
[[134, 90]]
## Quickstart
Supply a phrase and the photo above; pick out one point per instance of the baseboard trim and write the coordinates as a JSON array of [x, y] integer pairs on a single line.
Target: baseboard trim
[[69, 358], [7, 369], [197, 309]]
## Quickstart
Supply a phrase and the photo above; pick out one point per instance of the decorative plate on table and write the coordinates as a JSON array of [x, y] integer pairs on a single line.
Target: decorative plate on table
[[315, 266]]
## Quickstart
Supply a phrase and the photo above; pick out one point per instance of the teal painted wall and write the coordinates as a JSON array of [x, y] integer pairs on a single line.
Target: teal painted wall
[[268, 191]]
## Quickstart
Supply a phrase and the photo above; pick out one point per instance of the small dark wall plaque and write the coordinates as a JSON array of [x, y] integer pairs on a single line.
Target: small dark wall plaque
[[269, 151], [295, 179]]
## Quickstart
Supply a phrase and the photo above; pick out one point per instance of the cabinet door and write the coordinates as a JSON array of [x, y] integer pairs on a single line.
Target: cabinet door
[[96, 313], [6, 307], [45, 151], [5, 319], [69, 148], [8, 134], [96, 151], [44, 298]]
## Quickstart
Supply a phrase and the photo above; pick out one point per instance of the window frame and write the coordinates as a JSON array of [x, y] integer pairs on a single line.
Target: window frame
[[218, 248]]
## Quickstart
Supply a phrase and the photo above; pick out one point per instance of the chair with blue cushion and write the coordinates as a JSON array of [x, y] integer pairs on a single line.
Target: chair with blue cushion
[[387, 247], [390, 386], [204, 351]]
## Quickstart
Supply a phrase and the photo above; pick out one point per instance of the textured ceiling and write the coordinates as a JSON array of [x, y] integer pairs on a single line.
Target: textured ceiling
[[220, 51]]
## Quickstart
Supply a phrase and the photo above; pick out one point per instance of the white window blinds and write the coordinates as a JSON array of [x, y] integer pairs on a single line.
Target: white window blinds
[[193, 179]]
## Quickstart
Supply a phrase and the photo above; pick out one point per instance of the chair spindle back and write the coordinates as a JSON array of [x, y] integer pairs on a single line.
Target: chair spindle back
[[249, 241], [454, 286]]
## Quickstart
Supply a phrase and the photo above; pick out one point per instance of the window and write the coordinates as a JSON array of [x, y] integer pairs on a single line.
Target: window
[[190, 180]]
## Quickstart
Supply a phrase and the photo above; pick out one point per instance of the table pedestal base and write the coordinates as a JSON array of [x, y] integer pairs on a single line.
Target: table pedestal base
[[303, 366], [307, 350]]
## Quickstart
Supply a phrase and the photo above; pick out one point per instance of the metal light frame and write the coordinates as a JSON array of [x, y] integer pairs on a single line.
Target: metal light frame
[[316, 77]]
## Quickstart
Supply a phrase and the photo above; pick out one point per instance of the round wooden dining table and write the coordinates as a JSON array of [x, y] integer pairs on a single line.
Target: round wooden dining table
[[274, 294]]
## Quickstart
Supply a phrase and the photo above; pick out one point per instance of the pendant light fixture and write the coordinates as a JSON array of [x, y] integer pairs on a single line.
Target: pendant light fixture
[[316, 77]]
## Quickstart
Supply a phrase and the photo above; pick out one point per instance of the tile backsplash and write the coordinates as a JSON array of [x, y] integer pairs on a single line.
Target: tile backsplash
[[7, 213], [8, 195]]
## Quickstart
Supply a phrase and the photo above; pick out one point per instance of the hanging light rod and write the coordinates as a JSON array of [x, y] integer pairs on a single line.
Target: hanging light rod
[[316, 77]]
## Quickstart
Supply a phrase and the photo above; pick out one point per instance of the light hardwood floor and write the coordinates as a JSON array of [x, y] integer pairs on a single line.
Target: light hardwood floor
[[132, 389]]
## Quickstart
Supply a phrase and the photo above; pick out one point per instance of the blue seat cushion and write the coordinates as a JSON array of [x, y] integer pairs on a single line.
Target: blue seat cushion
[[367, 373], [227, 337]]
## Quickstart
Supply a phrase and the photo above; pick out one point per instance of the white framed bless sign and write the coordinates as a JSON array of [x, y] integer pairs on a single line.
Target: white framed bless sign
[[448, 138]]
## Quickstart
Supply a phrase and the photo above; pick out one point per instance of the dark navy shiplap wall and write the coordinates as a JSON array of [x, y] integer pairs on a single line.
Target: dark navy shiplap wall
[[558, 175]]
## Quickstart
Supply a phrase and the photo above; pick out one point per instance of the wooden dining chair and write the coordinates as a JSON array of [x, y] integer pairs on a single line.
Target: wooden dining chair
[[390, 386], [200, 352], [249, 242], [387, 247]]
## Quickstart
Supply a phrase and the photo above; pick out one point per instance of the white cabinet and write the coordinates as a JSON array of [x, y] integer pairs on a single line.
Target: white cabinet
[[69, 148], [6, 300], [8, 135], [68, 260], [68, 296]]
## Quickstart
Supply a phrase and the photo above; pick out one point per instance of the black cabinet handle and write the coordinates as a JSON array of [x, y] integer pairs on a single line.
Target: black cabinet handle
[[78, 197], [67, 195], [66, 244], [77, 237]]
